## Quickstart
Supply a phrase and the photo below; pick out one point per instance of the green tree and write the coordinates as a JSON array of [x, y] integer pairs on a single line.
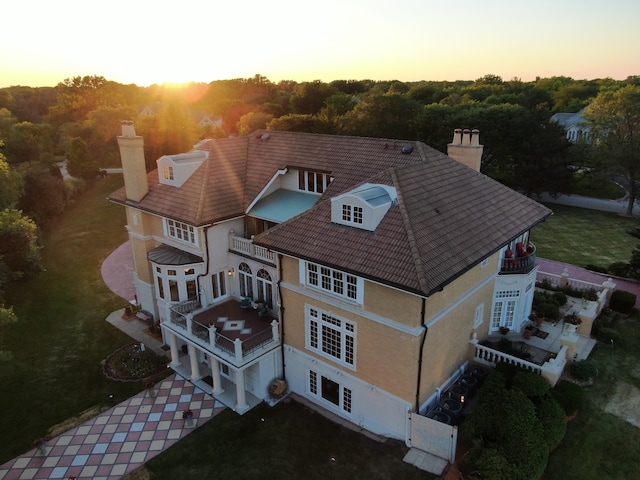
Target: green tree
[[614, 118], [383, 116], [19, 249], [45, 194], [253, 121], [27, 142], [80, 163], [11, 184], [309, 97]]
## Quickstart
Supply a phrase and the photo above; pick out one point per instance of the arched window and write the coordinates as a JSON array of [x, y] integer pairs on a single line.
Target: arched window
[[265, 287], [246, 280]]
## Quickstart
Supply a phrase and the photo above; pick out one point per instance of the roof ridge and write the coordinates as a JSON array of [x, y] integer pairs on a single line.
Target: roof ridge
[[415, 254], [203, 182]]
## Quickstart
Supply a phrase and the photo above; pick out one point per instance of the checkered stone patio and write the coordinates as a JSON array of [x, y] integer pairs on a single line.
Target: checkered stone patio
[[121, 439]]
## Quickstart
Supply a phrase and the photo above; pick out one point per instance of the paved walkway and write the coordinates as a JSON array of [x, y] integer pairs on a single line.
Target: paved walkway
[[121, 439]]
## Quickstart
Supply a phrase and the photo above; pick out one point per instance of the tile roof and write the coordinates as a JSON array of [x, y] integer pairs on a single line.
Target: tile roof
[[448, 217]]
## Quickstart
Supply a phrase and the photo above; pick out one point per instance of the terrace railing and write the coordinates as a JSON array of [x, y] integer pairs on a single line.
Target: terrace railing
[[246, 247], [520, 264], [235, 350]]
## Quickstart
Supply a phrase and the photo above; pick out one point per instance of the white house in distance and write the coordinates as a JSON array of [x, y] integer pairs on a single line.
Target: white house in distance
[[575, 126], [359, 270]]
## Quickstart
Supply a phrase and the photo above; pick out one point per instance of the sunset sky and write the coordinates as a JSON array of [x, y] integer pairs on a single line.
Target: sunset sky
[[42, 42]]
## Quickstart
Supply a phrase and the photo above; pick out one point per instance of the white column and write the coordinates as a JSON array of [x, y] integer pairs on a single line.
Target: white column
[[173, 346], [195, 364], [274, 331], [241, 398], [214, 364]]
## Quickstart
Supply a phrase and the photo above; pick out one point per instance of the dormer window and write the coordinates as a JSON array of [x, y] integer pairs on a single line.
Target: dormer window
[[351, 213], [363, 207], [174, 170]]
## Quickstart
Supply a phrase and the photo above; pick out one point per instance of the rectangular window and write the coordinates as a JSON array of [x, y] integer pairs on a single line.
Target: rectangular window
[[330, 391], [160, 287], [333, 281], [346, 213], [192, 292], [346, 399], [173, 290], [218, 285], [479, 316], [332, 337], [181, 231], [313, 382], [357, 214], [315, 182], [168, 172]]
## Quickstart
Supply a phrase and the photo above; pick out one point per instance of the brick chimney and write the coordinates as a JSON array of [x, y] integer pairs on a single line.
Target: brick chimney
[[133, 165], [466, 147]]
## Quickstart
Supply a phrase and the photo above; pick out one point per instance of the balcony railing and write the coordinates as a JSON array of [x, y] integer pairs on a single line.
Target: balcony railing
[[551, 369], [246, 247], [234, 349], [520, 263]]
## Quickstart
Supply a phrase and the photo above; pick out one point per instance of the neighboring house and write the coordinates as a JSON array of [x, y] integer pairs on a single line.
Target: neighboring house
[[361, 270], [575, 126]]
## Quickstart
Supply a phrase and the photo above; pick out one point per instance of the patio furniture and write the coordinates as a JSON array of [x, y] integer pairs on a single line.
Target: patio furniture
[[245, 303]]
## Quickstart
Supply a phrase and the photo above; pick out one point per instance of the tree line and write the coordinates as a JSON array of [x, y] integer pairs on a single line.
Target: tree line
[[78, 120]]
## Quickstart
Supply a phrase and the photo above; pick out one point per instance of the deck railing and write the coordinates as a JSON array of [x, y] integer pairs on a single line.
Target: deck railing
[[521, 264], [246, 247], [236, 350], [551, 369]]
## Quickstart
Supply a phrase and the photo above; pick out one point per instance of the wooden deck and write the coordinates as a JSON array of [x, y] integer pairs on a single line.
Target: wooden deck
[[240, 323]]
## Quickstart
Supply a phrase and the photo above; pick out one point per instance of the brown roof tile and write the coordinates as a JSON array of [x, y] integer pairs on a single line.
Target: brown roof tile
[[448, 217]]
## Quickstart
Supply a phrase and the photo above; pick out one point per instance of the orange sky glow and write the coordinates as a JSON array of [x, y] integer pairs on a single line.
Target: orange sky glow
[[144, 42]]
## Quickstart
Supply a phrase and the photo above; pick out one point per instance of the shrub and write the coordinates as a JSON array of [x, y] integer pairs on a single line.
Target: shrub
[[553, 420], [551, 311], [596, 268], [584, 370], [559, 298], [569, 395], [619, 269], [622, 301], [530, 384], [606, 335]]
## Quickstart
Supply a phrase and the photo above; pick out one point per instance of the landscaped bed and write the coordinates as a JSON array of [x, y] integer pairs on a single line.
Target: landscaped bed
[[133, 363]]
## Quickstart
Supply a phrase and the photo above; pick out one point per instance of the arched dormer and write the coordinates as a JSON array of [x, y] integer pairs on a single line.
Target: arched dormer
[[363, 207]]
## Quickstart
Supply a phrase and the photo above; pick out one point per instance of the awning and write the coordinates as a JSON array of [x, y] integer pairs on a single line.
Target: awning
[[166, 255]]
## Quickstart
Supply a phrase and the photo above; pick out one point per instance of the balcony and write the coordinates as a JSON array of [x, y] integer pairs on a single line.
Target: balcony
[[228, 331], [521, 261], [245, 246]]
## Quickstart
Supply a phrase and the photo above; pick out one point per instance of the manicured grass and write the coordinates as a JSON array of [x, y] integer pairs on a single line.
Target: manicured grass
[[581, 236], [62, 335], [600, 445], [288, 441]]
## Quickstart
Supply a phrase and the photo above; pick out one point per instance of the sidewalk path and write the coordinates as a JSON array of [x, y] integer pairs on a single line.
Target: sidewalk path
[[121, 439]]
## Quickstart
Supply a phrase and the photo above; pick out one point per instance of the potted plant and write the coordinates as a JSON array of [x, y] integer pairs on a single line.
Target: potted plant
[[528, 331], [504, 330]]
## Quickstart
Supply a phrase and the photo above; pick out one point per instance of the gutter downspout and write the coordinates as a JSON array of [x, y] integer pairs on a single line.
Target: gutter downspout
[[284, 375], [206, 272], [422, 342]]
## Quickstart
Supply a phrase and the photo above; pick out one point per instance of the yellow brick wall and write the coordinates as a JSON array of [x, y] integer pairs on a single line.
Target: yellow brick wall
[[388, 357]]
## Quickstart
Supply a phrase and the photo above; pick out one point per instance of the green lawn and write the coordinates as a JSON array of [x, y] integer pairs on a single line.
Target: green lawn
[[62, 337], [580, 236]]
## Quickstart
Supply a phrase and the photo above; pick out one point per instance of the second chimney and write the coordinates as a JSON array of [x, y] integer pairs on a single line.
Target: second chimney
[[465, 148]]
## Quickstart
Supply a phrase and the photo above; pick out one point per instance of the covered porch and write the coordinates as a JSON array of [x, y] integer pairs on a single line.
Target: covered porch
[[228, 351]]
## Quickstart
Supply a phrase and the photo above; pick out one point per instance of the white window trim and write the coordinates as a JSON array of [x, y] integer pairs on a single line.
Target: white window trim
[[347, 328], [190, 228], [344, 393], [359, 282], [479, 318]]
